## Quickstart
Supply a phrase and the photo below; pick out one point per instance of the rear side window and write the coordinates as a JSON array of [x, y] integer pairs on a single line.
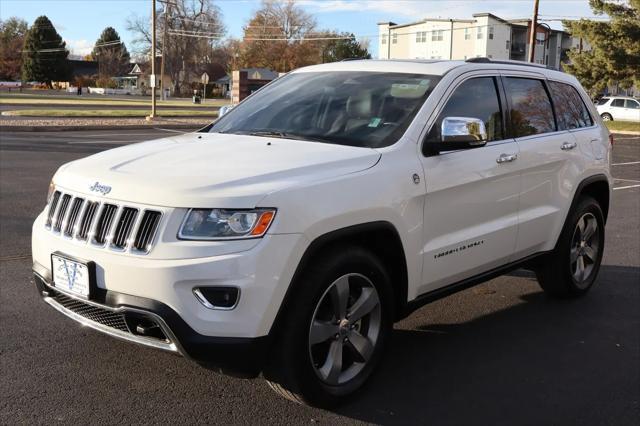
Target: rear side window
[[475, 98], [618, 103], [570, 109], [531, 111], [630, 103]]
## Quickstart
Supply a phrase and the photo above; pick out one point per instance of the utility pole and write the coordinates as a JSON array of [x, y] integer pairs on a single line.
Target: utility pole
[[532, 35], [164, 44], [152, 80]]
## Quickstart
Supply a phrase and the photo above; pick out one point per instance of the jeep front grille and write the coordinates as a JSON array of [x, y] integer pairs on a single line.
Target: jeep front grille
[[103, 224]]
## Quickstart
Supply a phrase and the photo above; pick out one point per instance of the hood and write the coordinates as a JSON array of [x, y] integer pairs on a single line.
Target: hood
[[209, 170]]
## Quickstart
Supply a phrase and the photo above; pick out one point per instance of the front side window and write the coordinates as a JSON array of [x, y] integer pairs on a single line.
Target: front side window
[[475, 98], [618, 103], [570, 109], [356, 108], [531, 111], [630, 103]]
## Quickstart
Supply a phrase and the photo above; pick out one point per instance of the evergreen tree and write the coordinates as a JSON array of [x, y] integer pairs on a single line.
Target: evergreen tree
[[615, 46], [44, 55], [111, 54], [338, 50]]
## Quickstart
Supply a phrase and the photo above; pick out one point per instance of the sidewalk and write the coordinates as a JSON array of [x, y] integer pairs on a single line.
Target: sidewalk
[[61, 124]]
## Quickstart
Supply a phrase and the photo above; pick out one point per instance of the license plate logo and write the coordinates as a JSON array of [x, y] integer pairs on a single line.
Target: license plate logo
[[70, 276]]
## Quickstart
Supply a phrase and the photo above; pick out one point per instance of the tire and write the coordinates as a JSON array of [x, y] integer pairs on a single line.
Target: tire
[[606, 117], [572, 268], [319, 327]]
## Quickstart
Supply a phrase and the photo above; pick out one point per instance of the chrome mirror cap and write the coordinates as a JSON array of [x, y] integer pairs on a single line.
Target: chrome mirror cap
[[464, 129]]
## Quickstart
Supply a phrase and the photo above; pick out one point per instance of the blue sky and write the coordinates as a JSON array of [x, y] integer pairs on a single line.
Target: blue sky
[[81, 21]]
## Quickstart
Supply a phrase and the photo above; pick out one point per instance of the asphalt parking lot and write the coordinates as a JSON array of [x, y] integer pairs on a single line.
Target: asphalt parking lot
[[499, 353]]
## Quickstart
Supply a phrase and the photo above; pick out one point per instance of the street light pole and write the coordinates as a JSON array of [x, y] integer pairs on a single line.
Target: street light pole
[[532, 35], [153, 60], [164, 47]]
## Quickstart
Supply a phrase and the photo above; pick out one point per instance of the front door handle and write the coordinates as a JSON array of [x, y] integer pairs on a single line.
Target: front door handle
[[506, 158], [568, 146]]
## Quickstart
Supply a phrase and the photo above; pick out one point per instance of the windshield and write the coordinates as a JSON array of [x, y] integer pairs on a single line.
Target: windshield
[[603, 101], [365, 109]]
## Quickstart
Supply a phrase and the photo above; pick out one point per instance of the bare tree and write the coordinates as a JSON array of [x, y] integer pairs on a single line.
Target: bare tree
[[275, 37], [194, 29]]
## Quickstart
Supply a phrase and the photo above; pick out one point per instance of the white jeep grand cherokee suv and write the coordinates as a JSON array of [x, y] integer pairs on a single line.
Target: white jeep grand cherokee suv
[[288, 236]]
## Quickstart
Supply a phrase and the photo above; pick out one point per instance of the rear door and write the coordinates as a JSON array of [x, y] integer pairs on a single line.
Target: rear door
[[470, 212], [632, 108], [550, 162]]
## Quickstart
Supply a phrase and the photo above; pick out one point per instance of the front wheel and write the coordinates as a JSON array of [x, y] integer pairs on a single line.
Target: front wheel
[[335, 329], [572, 268]]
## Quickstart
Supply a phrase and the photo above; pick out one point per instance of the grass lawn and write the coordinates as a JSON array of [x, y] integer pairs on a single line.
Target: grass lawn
[[70, 99], [623, 125], [108, 113]]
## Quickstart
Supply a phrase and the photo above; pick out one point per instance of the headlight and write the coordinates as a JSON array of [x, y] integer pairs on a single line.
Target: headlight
[[222, 224], [52, 189]]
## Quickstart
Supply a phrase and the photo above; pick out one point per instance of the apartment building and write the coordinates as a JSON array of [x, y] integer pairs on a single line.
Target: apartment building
[[486, 35]]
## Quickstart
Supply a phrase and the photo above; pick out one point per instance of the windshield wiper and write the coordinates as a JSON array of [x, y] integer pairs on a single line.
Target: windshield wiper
[[286, 135]]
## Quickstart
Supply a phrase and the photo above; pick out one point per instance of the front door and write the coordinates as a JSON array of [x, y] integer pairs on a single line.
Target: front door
[[471, 207]]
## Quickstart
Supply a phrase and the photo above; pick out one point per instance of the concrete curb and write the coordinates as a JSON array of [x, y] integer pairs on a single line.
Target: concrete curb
[[100, 127], [625, 132]]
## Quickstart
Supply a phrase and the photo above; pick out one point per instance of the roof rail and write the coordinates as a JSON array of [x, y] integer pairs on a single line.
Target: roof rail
[[484, 60]]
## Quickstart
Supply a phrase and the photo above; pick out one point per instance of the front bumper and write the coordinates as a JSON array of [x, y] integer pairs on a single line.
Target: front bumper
[[154, 324]]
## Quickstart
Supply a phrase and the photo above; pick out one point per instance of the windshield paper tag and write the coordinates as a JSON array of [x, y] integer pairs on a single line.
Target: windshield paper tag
[[375, 122]]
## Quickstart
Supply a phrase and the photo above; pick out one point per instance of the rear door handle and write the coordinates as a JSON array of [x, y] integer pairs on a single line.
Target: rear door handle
[[568, 146], [506, 158]]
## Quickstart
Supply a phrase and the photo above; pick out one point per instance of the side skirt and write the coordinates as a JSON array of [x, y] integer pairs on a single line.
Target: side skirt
[[440, 293]]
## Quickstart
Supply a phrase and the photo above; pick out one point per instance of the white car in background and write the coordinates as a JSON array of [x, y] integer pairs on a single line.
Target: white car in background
[[619, 108]]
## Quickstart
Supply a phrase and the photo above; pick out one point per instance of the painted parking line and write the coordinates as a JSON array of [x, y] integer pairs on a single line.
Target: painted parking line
[[626, 187], [627, 180], [626, 164]]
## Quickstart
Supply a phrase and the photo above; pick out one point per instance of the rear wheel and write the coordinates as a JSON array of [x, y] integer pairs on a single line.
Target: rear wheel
[[572, 268], [334, 330], [606, 117]]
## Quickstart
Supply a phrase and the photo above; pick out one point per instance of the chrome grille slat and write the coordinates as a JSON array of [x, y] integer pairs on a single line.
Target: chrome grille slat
[[60, 214], [52, 208], [87, 220], [104, 224], [147, 229], [74, 211], [105, 220], [124, 227]]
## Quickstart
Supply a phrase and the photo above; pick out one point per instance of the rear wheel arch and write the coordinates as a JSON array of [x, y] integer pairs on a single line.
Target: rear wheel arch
[[381, 238], [597, 187]]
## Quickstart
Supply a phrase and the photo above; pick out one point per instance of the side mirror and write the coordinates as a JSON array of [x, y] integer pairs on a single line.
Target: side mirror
[[461, 133]]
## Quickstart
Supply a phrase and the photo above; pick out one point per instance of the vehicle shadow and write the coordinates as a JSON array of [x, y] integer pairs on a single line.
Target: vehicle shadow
[[542, 361]]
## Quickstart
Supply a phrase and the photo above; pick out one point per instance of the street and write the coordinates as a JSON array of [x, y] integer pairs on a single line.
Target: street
[[498, 353]]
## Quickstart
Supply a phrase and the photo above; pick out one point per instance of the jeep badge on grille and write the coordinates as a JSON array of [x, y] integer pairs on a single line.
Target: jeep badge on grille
[[98, 187]]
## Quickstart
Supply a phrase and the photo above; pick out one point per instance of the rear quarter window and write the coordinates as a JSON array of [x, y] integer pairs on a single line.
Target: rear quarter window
[[530, 107], [571, 110]]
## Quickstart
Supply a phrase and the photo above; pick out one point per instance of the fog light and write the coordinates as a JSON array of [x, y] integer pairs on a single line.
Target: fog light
[[224, 298]]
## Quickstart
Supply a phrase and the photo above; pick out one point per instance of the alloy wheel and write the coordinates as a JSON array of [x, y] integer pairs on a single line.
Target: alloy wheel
[[585, 247], [344, 329]]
